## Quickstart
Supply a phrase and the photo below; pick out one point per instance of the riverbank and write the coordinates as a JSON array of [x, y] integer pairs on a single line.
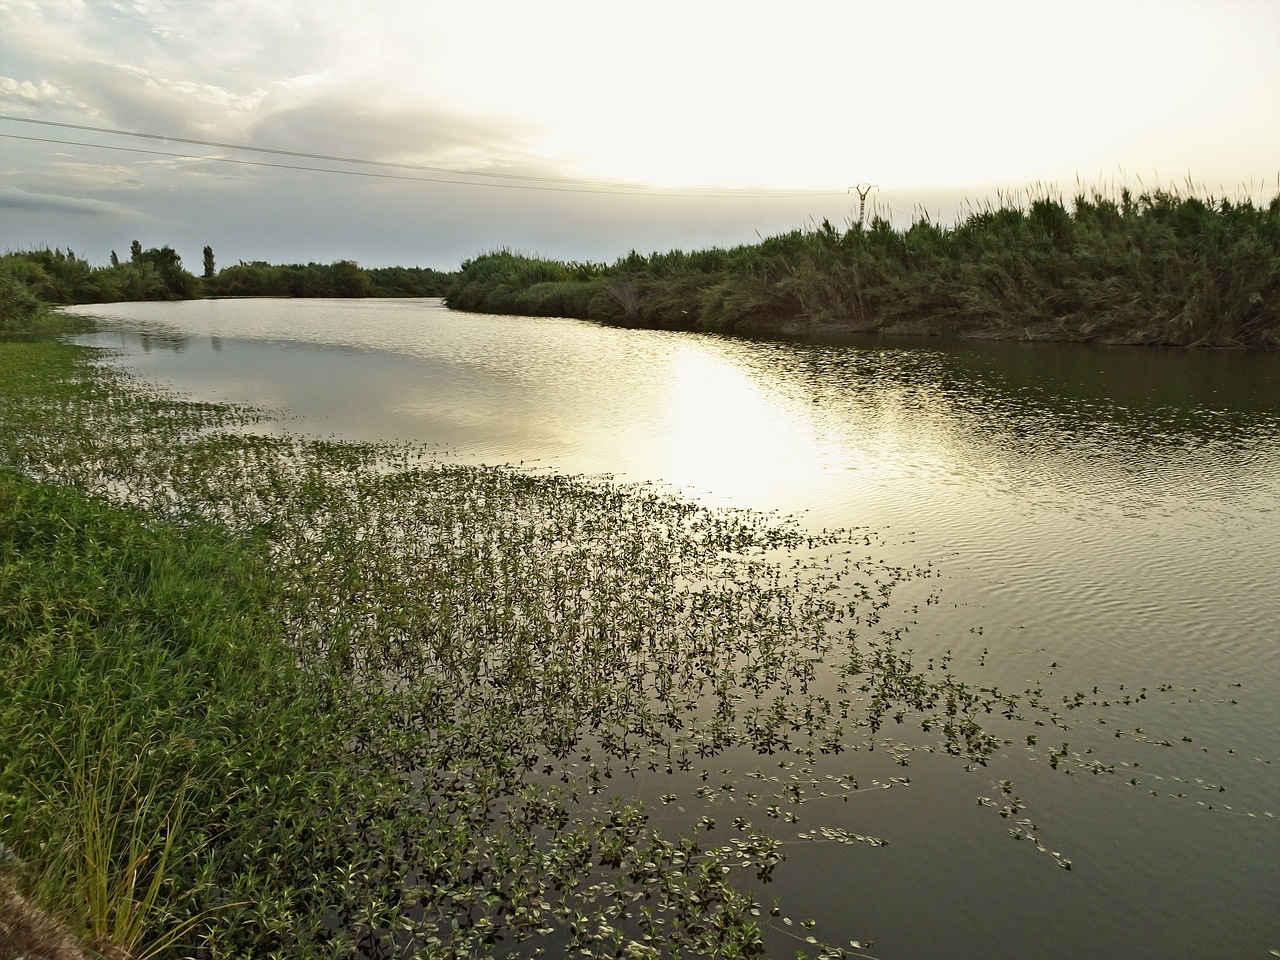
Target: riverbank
[[163, 753], [1156, 269]]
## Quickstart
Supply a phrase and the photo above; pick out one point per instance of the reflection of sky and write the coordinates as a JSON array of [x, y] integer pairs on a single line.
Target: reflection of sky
[[723, 431], [912, 438], [1050, 467], [1115, 511], [768, 424]]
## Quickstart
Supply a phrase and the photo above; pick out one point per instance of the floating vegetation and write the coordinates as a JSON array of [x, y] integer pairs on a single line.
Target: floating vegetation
[[350, 700]]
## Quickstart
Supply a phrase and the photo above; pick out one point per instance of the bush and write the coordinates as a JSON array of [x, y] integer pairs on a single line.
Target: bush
[[18, 305]]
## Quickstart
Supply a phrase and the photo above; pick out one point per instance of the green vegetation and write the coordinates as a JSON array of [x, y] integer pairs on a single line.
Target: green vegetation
[[275, 697], [29, 279], [341, 279], [22, 313], [55, 277], [1154, 269], [1159, 268]]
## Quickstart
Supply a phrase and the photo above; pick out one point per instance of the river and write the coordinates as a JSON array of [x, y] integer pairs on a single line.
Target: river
[[1101, 515]]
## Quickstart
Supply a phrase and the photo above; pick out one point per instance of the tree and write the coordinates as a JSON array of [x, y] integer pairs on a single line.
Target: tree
[[135, 251], [348, 279], [115, 261], [208, 262], [168, 265]]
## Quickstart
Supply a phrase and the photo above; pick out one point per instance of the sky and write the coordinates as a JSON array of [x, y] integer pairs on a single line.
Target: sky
[[584, 130]]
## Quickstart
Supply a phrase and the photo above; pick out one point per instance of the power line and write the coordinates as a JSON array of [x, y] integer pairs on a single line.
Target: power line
[[640, 192], [297, 153], [291, 166], [570, 185]]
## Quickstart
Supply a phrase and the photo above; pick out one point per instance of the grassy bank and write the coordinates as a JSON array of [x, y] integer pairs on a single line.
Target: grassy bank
[[149, 702], [164, 759], [274, 697], [1153, 269], [23, 314]]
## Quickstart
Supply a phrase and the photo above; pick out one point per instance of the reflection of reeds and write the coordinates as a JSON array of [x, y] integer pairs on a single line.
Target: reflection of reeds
[[1159, 267], [325, 698]]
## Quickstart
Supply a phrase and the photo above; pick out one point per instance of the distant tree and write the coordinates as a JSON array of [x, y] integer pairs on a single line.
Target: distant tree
[[135, 251], [346, 279], [166, 263], [115, 260], [208, 262]]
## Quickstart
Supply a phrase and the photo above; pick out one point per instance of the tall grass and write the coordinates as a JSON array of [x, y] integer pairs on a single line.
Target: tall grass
[[141, 666], [1156, 268], [114, 863]]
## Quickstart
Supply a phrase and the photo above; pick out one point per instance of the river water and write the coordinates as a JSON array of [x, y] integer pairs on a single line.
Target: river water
[[1098, 515]]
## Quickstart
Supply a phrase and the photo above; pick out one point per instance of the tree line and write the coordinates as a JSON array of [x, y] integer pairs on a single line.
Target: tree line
[[32, 279]]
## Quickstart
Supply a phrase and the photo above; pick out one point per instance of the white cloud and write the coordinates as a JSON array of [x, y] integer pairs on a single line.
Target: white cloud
[[926, 99], [33, 95], [306, 80], [14, 198]]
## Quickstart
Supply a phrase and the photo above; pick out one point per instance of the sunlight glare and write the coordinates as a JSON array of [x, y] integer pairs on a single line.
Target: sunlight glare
[[724, 432]]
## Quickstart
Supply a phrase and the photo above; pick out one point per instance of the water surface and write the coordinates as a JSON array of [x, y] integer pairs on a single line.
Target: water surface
[[1097, 515]]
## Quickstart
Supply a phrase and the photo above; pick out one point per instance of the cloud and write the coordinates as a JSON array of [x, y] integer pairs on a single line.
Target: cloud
[[29, 95], [419, 135], [15, 198], [933, 108]]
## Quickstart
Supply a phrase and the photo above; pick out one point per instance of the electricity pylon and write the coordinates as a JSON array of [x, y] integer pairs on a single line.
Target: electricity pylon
[[863, 189]]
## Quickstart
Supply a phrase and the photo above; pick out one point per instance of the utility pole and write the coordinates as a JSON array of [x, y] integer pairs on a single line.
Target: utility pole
[[863, 189]]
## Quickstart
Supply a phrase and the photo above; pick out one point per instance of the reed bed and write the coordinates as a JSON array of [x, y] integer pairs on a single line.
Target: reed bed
[[278, 697], [1160, 268]]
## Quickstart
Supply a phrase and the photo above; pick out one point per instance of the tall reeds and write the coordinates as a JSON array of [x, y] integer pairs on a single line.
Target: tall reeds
[[1156, 268]]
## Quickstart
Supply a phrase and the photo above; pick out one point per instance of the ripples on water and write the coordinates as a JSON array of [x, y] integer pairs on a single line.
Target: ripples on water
[[1113, 512]]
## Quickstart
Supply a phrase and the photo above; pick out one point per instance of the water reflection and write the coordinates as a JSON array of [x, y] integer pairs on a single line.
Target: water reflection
[[1126, 499], [1114, 511], [722, 429], [1056, 477], [1039, 465], [162, 340]]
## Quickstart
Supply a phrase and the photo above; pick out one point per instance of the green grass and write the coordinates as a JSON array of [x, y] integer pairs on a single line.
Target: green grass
[[145, 673]]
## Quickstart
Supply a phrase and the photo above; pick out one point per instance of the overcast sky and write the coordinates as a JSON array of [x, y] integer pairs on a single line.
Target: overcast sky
[[722, 121]]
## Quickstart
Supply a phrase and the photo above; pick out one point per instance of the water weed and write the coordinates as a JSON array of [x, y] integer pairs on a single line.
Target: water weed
[[290, 697]]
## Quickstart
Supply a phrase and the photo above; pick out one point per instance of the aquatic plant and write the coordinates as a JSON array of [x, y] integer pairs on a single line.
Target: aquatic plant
[[281, 696]]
